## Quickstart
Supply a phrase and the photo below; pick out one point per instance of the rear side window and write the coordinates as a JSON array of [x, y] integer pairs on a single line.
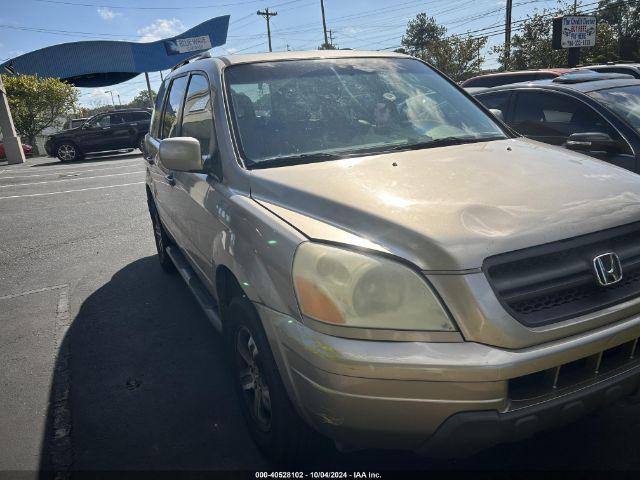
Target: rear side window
[[137, 116], [197, 116], [157, 112], [171, 114]]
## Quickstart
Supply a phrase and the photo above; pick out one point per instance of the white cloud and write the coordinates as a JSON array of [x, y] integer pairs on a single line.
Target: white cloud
[[107, 13], [161, 28]]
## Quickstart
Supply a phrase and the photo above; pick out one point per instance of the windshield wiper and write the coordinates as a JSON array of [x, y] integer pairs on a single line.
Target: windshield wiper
[[441, 142], [295, 160]]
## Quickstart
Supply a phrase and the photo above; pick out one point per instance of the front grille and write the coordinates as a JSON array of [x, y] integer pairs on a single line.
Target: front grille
[[537, 386], [552, 282]]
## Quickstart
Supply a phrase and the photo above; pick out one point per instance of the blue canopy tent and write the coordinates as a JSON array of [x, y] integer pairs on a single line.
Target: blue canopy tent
[[101, 63]]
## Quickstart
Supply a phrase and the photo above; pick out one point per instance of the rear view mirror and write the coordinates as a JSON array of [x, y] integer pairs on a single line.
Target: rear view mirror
[[497, 113], [181, 154], [592, 141]]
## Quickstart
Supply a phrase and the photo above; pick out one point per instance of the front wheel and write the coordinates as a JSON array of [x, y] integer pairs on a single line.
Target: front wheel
[[67, 152], [272, 420]]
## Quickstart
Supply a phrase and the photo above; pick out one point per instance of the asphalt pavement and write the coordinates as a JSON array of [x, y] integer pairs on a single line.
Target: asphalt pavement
[[108, 364]]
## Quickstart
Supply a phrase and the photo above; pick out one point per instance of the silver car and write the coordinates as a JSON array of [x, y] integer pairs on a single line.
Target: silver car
[[389, 265]]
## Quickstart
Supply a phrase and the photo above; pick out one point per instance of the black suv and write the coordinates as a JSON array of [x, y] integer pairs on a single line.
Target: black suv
[[115, 130], [594, 113]]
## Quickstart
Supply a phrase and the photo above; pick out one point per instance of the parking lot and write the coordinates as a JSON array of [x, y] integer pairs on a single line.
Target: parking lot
[[109, 365]]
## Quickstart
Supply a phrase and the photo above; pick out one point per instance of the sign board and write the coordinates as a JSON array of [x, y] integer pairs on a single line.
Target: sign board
[[574, 31], [177, 46]]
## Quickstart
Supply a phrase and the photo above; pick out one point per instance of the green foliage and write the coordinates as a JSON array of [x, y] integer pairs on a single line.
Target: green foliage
[[326, 46], [141, 100], [617, 38], [624, 19], [457, 56], [37, 103]]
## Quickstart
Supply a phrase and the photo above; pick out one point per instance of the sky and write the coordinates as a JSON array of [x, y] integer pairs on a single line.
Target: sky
[[27, 25]]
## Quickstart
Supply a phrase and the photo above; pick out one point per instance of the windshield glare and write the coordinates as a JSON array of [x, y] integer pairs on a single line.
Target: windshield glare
[[347, 106], [625, 101]]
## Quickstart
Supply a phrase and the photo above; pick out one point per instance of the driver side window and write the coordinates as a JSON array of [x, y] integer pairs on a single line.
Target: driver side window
[[552, 117]]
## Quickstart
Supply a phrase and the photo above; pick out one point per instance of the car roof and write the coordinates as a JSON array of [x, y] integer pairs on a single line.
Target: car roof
[[305, 55], [125, 110], [588, 85], [613, 64]]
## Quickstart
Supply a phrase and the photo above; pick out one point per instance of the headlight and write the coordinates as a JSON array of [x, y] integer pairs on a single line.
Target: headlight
[[344, 287]]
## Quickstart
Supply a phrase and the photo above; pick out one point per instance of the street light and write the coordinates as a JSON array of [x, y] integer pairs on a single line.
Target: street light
[[112, 100]]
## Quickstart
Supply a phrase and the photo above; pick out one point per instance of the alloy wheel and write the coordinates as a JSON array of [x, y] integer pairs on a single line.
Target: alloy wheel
[[66, 152], [157, 233], [254, 387]]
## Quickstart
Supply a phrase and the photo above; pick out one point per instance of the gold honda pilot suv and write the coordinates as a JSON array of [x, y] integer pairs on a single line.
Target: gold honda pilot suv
[[390, 265]]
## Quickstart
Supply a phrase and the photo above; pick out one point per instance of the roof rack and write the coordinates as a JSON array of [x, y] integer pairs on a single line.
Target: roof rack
[[193, 58], [587, 76]]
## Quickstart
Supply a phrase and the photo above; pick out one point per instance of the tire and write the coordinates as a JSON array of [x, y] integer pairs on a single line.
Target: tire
[[162, 241], [271, 418], [67, 152]]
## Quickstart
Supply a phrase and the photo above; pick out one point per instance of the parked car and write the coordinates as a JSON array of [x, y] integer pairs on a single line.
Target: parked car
[[27, 149], [115, 130], [628, 68], [597, 114], [503, 78], [388, 263]]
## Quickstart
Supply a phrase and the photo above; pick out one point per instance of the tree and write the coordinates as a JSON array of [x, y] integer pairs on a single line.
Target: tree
[[624, 19], [531, 46], [37, 103], [327, 46], [141, 100], [457, 56]]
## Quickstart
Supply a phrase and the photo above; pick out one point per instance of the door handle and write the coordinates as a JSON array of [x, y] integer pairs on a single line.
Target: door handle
[[170, 180]]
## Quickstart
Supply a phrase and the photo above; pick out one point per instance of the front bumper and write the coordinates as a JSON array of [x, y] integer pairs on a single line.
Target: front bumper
[[440, 398]]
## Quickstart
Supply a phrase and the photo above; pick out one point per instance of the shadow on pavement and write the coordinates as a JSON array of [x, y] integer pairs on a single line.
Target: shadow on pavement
[[150, 390], [94, 158], [149, 387]]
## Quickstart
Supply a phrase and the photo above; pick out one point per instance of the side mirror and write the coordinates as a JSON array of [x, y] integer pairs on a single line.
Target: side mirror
[[591, 142], [497, 113], [86, 126], [181, 154]]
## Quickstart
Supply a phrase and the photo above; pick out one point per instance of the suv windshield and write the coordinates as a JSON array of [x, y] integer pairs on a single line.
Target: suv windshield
[[291, 112], [625, 101]]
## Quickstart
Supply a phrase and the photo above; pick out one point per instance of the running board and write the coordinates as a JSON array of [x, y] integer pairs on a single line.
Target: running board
[[204, 299]]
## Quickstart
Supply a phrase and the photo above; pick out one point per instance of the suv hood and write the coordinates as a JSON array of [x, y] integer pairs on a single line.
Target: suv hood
[[449, 208]]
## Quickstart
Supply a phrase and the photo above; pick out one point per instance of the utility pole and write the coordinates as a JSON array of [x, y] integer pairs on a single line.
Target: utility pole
[[324, 23], [267, 15], [573, 58], [331, 37], [12, 144], [507, 35], [146, 75]]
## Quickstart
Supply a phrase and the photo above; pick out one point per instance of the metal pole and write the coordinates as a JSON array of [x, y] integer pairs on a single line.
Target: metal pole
[[146, 75], [507, 35], [324, 23], [12, 144]]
